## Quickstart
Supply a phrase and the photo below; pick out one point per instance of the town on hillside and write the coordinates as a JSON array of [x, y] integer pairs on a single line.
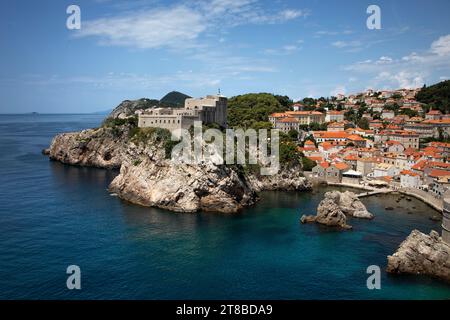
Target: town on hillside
[[374, 140], [384, 139]]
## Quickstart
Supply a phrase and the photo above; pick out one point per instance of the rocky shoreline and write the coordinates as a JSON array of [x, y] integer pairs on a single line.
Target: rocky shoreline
[[422, 254], [334, 209], [147, 178]]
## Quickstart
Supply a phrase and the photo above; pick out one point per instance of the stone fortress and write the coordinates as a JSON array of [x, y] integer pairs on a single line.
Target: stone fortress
[[210, 109]]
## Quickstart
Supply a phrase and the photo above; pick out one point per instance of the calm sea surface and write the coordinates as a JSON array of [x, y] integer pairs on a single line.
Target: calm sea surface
[[53, 216]]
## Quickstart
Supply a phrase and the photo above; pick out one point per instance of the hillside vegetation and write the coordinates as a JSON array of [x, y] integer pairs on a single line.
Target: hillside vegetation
[[252, 110], [436, 96]]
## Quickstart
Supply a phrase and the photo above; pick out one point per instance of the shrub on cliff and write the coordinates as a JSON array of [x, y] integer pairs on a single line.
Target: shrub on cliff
[[155, 136], [116, 122]]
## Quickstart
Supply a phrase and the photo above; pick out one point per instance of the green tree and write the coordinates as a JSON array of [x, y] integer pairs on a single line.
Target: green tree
[[246, 111], [289, 153], [436, 96], [285, 101], [363, 123], [308, 164], [293, 135]]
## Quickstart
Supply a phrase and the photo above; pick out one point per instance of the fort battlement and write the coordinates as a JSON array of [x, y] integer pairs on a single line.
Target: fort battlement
[[210, 109]]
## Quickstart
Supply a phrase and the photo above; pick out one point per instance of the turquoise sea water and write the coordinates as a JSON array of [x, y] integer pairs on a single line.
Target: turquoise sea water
[[53, 216]]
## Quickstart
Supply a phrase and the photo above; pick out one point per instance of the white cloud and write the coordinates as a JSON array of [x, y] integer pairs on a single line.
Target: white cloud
[[384, 60], [321, 33], [410, 71], [290, 14], [402, 79], [284, 50], [338, 90], [349, 46], [183, 23], [441, 47], [148, 29]]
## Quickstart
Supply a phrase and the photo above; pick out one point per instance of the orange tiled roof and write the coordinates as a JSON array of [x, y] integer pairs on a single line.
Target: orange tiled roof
[[392, 143], [335, 113], [278, 115], [409, 151], [316, 159], [431, 150], [332, 135], [355, 137], [409, 173], [440, 144], [304, 113], [324, 164], [351, 157], [442, 121], [420, 166], [288, 120], [435, 173], [336, 124], [342, 166]]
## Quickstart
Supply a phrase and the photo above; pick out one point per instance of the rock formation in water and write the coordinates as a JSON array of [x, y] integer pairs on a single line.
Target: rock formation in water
[[335, 207], [352, 206], [422, 254], [147, 178]]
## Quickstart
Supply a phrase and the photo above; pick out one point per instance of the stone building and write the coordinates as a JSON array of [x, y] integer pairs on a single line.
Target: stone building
[[287, 124], [301, 118], [334, 172], [211, 109], [409, 139], [334, 116]]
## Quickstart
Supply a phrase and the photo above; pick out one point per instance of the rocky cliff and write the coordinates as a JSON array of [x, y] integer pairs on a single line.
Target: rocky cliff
[[147, 178], [129, 107], [102, 148], [335, 207], [422, 254]]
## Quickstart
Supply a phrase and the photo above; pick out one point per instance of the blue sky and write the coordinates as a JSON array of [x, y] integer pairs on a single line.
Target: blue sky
[[133, 49]]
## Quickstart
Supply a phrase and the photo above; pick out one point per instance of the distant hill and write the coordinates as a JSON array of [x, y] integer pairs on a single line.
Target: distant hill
[[173, 99], [129, 107], [436, 96]]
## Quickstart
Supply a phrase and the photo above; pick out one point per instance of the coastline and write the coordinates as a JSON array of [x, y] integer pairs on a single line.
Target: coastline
[[434, 203]]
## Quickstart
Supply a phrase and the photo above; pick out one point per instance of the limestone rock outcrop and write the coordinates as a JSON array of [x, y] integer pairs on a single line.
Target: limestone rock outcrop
[[101, 148], [147, 178], [352, 206], [128, 108], [422, 254], [288, 179], [335, 207]]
